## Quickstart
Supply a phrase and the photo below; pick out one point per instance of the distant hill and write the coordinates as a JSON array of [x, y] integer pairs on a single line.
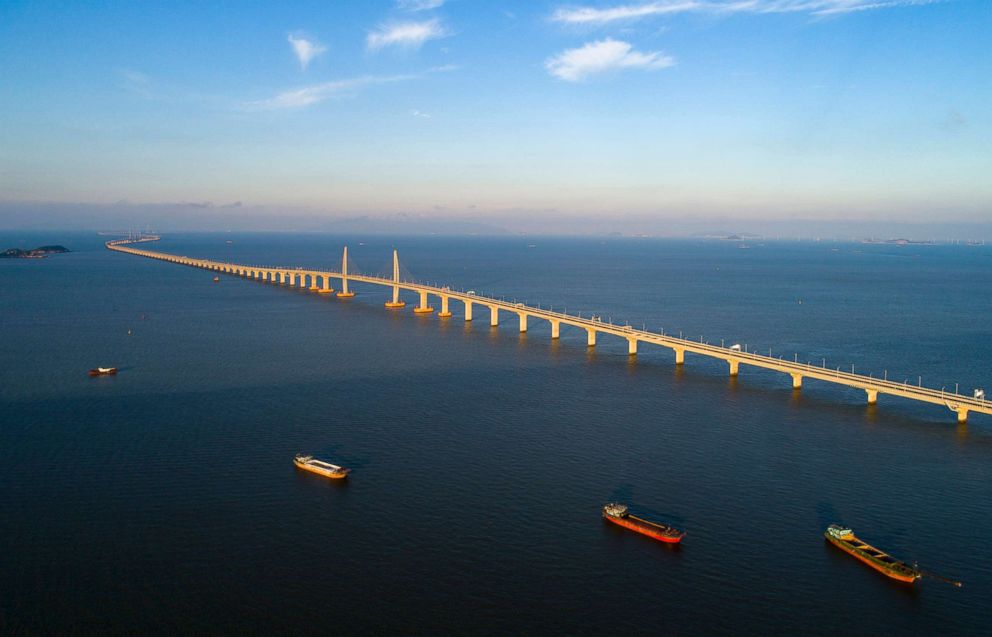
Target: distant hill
[[37, 253]]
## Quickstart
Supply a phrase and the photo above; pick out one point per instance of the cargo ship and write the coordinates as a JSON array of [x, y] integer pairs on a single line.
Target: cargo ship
[[879, 560], [326, 469], [618, 514], [103, 371]]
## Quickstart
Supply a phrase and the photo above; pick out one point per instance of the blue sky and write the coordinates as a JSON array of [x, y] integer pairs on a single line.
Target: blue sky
[[814, 109]]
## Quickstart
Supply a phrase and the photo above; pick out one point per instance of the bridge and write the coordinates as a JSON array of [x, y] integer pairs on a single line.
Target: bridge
[[319, 281]]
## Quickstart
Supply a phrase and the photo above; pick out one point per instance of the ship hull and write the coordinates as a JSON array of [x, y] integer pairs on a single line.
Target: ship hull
[[881, 568], [645, 528], [333, 475]]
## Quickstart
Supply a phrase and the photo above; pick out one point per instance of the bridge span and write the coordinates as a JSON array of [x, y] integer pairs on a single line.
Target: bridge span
[[320, 282]]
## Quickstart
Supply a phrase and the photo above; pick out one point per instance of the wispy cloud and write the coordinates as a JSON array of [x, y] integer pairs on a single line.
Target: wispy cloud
[[420, 114], [309, 95], [418, 5], [305, 49], [406, 34], [574, 65], [629, 12]]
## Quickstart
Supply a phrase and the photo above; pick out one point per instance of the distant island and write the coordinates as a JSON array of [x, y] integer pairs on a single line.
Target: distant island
[[37, 253]]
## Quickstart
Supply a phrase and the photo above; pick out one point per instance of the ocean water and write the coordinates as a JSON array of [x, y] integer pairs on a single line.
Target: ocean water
[[164, 500]]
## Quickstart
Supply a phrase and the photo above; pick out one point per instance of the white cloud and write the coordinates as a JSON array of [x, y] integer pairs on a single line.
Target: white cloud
[[592, 15], [305, 50], [406, 34], [308, 95], [629, 12], [574, 65], [420, 114], [418, 5]]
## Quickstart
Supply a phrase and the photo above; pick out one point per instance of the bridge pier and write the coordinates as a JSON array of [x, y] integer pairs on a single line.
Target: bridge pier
[[632, 346], [292, 279], [313, 283], [327, 285], [555, 329], [523, 322], [468, 310], [396, 302], [422, 307], [962, 414], [679, 355], [493, 316], [444, 313], [872, 396], [734, 366], [344, 293], [591, 337], [797, 381], [282, 278]]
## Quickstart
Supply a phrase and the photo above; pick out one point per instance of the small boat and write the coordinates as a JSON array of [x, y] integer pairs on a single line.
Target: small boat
[[326, 469], [619, 515], [103, 371], [216, 279], [845, 540]]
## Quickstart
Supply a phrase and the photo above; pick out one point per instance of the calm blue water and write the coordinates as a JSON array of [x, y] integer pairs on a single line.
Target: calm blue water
[[164, 500]]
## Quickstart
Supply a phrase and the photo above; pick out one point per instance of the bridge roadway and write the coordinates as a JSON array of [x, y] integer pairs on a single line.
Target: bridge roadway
[[959, 404]]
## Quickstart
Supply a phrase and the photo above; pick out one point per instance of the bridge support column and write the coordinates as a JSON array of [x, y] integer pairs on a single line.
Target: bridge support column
[[344, 293], [523, 322], [292, 279], [962, 414], [632, 346], [591, 337], [282, 278], [468, 310], [734, 366], [327, 285], [679, 355], [493, 316], [396, 302], [445, 312], [797, 381], [555, 329], [872, 396], [422, 307], [303, 281]]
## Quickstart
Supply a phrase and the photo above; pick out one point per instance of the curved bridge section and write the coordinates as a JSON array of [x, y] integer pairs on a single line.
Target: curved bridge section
[[319, 281]]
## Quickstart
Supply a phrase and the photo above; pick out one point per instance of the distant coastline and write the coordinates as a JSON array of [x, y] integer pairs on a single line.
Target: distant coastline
[[36, 253]]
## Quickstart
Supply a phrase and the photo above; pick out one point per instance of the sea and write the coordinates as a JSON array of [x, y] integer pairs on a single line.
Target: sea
[[164, 500]]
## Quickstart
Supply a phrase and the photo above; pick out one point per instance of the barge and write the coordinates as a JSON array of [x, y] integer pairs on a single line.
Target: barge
[[881, 561], [103, 371], [619, 514], [326, 469]]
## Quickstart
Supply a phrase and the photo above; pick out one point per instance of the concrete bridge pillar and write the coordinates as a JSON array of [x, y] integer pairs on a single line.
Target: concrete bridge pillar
[[679, 355], [797, 381], [555, 329], [734, 366], [292, 278], [313, 282], [962, 414], [344, 293], [445, 312], [493, 316], [282, 278], [468, 310], [632, 346], [327, 285], [872, 396], [590, 337], [523, 322], [422, 307], [303, 280], [396, 302]]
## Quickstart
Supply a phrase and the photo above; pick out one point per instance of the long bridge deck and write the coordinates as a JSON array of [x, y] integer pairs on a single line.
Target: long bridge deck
[[320, 282]]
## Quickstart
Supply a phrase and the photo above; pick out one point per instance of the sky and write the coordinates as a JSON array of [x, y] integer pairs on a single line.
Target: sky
[[499, 112]]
